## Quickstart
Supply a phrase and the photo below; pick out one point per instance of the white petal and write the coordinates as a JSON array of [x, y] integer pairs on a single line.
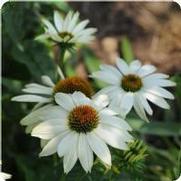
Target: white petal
[[135, 66], [47, 81], [64, 100], [146, 70], [99, 148], [122, 66], [85, 33], [85, 153], [51, 147], [45, 90], [51, 30], [145, 103], [111, 69], [67, 21], [44, 113], [108, 112], [106, 77], [70, 158], [139, 109], [4, 176], [73, 22], [158, 76], [114, 137], [159, 101], [49, 129], [101, 101], [58, 21], [66, 143], [152, 82], [160, 92], [80, 26], [31, 98], [126, 103], [114, 122], [80, 99], [43, 143], [30, 127]]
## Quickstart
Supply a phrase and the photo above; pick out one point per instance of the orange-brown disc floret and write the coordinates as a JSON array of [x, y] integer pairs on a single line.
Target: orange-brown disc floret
[[131, 83], [83, 118], [72, 84]]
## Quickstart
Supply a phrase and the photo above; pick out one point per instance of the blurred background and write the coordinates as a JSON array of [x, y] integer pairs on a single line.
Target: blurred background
[[147, 31]]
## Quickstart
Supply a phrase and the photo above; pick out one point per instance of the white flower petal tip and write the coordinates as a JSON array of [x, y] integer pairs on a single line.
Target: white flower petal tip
[[134, 85], [4, 176]]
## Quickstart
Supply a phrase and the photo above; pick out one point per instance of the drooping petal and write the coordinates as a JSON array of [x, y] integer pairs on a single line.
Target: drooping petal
[[126, 103], [51, 147], [85, 153], [48, 129], [139, 109], [31, 98], [99, 148], [145, 103], [159, 101], [66, 144], [112, 136], [45, 112], [115, 122], [160, 92]]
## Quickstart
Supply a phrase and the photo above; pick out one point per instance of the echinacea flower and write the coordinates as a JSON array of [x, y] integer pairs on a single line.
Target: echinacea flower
[[44, 94], [80, 128], [67, 30], [133, 86]]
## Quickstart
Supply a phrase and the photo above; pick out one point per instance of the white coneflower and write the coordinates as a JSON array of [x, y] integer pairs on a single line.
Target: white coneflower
[[67, 30], [133, 86], [44, 94], [80, 128]]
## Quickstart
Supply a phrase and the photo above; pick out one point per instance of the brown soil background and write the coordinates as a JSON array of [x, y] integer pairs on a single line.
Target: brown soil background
[[154, 29]]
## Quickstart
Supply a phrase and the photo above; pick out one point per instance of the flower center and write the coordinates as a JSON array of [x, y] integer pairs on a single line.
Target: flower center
[[83, 118], [131, 83], [72, 84], [66, 35]]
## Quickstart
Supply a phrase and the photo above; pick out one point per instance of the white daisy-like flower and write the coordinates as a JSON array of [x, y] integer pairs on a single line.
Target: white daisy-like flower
[[67, 30], [133, 86], [44, 94], [81, 127]]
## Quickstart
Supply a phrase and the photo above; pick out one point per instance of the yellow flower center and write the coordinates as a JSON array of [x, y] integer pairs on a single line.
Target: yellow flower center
[[72, 84], [131, 83], [83, 119], [66, 35]]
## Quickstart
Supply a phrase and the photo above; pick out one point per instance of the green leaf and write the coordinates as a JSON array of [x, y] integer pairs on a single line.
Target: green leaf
[[126, 50], [156, 128]]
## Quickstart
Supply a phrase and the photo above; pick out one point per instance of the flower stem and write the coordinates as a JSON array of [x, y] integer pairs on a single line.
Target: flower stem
[[61, 69]]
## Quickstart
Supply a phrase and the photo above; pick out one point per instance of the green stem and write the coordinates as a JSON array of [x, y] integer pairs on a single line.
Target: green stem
[[61, 62]]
